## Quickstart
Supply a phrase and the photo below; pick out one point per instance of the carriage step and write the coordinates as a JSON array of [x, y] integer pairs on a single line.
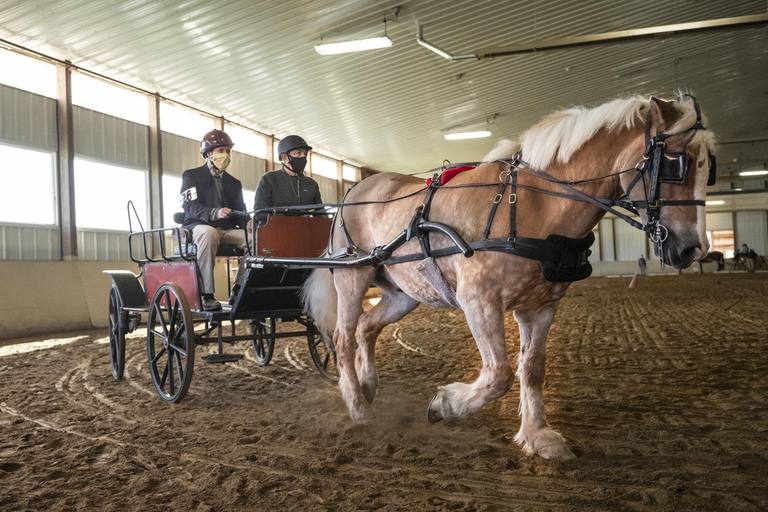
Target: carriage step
[[222, 358]]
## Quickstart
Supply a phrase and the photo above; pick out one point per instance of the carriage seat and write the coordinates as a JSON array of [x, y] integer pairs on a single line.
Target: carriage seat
[[224, 250]]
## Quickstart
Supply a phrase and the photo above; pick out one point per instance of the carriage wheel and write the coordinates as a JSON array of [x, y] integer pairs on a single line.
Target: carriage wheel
[[323, 354], [117, 331], [170, 343], [263, 342]]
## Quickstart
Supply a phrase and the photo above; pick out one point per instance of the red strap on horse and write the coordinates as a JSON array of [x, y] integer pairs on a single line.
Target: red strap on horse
[[448, 174]]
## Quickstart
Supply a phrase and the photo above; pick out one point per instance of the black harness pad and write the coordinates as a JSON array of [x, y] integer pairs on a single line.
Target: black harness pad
[[572, 263]]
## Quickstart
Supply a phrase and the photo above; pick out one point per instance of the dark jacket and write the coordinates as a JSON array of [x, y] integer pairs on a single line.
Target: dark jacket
[[277, 188], [198, 192]]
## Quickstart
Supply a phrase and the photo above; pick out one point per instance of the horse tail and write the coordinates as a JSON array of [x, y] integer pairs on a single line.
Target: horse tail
[[320, 301]]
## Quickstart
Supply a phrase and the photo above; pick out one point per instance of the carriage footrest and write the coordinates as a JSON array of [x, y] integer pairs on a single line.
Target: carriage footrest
[[222, 358]]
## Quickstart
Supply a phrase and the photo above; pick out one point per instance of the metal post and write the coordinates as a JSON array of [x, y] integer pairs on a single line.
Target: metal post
[[339, 180], [220, 123], [155, 164], [270, 153], [66, 162]]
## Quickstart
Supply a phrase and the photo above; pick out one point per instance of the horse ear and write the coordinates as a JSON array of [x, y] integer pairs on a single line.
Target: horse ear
[[663, 114]]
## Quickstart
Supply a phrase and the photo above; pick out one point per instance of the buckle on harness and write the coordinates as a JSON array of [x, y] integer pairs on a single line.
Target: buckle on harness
[[512, 198], [497, 199]]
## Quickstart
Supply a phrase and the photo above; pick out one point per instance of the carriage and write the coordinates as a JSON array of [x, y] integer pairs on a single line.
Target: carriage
[[167, 293]]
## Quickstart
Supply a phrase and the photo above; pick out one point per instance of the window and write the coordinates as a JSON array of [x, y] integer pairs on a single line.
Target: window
[[16, 204], [171, 199], [247, 141], [102, 192], [323, 166], [350, 172], [276, 155], [184, 122], [102, 96], [722, 241], [27, 73]]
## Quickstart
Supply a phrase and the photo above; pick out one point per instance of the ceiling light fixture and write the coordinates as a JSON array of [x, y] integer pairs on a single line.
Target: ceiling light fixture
[[716, 202], [762, 172], [474, 134], [355, 45], [465, 132]]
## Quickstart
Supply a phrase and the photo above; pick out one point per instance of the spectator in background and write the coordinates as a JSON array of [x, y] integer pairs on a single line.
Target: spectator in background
[[642, 265]]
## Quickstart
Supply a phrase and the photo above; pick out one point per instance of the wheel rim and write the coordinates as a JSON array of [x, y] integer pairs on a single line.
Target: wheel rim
[[170, 343], [263, 342], [323, 355], [116, 336]]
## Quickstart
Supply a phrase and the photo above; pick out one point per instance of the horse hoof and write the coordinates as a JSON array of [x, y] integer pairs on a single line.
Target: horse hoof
[[433, 411]]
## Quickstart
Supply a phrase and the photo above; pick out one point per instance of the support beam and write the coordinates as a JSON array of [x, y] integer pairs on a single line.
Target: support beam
[[339, 181], [270, 153], [591, 39], [155, 164], [65, 169], [220, 122]]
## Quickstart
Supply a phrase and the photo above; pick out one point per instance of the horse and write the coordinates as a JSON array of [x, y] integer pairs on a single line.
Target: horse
[[589, 151], [714, 256]]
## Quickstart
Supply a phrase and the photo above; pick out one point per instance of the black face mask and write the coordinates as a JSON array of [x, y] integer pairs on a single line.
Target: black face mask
[[297, 163]]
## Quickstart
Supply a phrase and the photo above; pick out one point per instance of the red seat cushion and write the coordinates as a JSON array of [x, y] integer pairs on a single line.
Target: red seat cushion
[[449, 173]]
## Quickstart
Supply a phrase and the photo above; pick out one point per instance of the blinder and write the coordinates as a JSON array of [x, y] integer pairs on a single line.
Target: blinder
[[712, 170]]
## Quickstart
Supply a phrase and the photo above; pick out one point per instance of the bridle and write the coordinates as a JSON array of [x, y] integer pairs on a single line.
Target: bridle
[[656, 166]]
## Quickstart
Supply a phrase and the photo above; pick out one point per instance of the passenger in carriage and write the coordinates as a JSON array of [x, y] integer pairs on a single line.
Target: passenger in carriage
[[288, 186], [209, 197]]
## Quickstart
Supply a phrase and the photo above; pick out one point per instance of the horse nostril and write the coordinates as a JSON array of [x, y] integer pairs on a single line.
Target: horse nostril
[[689, 253]]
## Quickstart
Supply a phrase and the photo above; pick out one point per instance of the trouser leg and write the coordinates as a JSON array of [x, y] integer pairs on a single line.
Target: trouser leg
[[236, 237], [207, 239]]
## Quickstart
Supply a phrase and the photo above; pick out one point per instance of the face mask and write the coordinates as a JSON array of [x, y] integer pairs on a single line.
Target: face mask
[[297, 163], [220, 161]]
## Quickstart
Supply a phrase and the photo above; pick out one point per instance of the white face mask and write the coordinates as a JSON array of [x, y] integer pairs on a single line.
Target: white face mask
[[220, 161]]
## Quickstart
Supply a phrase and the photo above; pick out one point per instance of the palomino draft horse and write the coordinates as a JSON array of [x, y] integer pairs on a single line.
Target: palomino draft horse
[[652, 157]]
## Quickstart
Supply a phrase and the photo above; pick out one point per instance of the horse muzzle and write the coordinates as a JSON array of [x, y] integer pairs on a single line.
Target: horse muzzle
[[681, 252]]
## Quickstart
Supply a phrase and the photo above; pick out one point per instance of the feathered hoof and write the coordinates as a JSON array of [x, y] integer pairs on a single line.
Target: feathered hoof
[[434, 414]]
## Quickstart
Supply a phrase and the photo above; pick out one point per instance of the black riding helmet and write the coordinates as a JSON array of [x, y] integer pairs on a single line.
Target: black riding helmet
[[214, 139], [292, 142]]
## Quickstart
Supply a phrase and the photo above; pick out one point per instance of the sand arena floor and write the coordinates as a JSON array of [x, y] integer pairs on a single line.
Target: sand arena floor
[[661, 391]]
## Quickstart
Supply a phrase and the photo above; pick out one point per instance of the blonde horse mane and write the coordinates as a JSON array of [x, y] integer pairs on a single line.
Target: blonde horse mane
[[559, 135]]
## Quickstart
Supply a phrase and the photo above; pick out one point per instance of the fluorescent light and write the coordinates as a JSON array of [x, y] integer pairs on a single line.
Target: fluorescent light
[[477, 134], [716, 202], [762, 172], [357, 45]]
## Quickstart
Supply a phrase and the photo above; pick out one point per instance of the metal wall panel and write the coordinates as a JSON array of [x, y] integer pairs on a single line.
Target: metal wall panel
[[179, 154], [606, 240], [40, 243], [630, 242], [752, 229], [27, 119], [248, 169], [328, 190], [95, 245], [110, 139], [719, 221]]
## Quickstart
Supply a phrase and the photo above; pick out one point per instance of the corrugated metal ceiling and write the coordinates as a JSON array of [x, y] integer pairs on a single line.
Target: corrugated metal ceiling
[[254, 62]]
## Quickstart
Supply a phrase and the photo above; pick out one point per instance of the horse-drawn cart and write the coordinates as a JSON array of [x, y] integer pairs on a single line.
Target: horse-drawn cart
[[171, 301]]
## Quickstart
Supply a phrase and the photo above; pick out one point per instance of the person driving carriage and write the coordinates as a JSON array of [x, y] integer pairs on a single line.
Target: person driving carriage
[[288, 186], [209, 196]]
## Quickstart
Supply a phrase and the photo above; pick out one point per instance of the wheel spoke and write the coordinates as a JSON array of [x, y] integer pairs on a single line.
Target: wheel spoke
[[164, 377], [180, 369], [158, 356], [159, 312], [170, 373], [177, 349], [161, 335], [172, 319]]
